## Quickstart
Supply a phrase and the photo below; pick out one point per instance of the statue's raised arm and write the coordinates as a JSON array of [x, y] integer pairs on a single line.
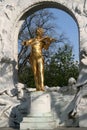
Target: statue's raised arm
[[47, 41]]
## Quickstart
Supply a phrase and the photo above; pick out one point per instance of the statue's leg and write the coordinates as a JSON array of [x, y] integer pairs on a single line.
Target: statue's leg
[[41, 73], [34, 68], [76, 102], [7, 104]]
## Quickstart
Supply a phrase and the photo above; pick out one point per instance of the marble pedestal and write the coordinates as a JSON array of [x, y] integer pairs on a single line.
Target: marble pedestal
[[40, 116]]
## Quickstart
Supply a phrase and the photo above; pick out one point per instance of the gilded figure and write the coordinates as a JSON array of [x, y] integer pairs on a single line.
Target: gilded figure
[[36, 58]]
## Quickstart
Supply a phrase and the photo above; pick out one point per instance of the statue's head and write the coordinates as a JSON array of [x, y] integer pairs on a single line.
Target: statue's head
[[39, 32]]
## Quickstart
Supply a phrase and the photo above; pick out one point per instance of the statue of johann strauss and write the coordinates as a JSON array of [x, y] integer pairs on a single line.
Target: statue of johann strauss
[[36, 58]]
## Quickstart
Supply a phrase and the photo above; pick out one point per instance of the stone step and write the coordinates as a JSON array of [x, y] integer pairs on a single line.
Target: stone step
[[38, 119], [37, 126], [39, 114]]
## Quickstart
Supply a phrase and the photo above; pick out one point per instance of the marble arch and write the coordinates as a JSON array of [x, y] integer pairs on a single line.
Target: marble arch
[[12, 16]]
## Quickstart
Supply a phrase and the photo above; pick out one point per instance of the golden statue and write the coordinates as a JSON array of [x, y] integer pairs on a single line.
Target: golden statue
[[36, 58]]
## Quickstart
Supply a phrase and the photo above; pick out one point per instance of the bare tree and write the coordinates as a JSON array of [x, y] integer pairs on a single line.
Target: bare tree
[[42, 18]]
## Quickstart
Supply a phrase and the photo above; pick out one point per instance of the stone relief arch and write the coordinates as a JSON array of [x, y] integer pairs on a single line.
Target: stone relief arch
[[28, 11], [15, 12], [12, 15]]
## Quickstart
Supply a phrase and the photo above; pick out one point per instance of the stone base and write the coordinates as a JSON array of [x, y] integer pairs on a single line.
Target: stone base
[[38, 123], [40, 117]]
